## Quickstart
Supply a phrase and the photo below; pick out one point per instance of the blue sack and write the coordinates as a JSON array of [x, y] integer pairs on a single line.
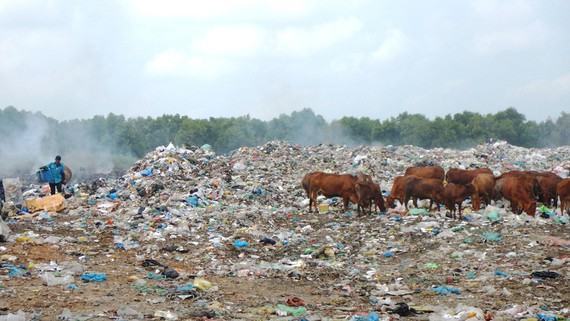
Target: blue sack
[[44, 176]]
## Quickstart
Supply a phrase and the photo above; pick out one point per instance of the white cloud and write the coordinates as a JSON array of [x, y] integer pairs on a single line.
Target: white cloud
[[231, 40], [221, 9], [348, 63], [514, 38], [503, 11], [548, 89], [307, 41], [393, 45], [176, 63]]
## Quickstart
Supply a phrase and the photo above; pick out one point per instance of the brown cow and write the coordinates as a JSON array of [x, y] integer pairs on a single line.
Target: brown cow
[[435, 172], [455, 194], [306, 183], [422, 188], [563, 191], [397, 192], [369, 194], [548, 183], [333, 185], [464, 176], [484, 188], [365, 196], [500, 179], [520, 191], [378, 198], [546, 189]]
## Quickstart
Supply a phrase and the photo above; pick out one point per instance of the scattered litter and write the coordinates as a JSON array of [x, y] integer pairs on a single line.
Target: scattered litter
[[445, 290], [188, 228], [93, 277]]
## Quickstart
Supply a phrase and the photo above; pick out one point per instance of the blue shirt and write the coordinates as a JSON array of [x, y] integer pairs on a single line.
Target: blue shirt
[[56, 172]]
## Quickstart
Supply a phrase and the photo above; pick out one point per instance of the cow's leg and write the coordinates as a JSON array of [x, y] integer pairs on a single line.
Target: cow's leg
[[345, 203], [314, 201], [406, 199], [476, 202], [459, 205]]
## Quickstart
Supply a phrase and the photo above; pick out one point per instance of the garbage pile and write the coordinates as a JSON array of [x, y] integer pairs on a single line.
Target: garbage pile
[[188, 234]]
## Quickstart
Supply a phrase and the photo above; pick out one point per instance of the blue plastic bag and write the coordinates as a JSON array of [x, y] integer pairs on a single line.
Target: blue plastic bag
[[147, 172], [93, 277], [16, 272], [372, 316], [501, 273], [546, 317], [186, 288], [239, 244], [193, 201], [445, 290]]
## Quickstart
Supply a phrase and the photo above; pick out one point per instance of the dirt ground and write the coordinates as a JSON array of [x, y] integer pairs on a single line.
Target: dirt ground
[[328, 294]]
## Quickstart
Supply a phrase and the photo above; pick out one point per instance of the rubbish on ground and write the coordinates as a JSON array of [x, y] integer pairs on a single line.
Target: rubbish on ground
[[545, 274], [283, 310], [93, 277], [492, 236], [445, 290], [181, 216], [52, 203]]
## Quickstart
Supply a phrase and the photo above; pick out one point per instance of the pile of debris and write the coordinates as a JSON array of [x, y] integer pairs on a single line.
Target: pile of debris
[[186, 233]]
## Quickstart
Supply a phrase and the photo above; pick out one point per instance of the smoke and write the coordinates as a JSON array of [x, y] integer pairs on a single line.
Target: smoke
[[33, 140], [21, 148], [304, 127]]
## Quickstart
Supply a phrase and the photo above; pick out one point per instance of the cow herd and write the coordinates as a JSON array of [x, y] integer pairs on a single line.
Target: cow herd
[[523, 189]]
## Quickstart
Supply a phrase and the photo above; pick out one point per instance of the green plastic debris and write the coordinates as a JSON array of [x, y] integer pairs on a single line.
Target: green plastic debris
[[287, 310], [457, 255], [471, 275], [154, 276], [545, 210], [419, 212], [468, 240], [492, 236], [561, 219], [457, 228], [431, 266], [494, 216], [308, 251]]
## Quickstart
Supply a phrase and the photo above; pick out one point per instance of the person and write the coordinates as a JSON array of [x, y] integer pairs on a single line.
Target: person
[[57, 175]]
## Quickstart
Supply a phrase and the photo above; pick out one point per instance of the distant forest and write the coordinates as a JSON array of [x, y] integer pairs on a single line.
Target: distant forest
[[137, 136]]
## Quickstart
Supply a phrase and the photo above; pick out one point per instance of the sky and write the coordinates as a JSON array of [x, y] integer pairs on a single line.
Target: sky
[[373, 58]]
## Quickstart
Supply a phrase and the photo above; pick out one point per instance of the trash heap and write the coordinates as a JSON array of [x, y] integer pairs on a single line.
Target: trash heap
[[188, 234]]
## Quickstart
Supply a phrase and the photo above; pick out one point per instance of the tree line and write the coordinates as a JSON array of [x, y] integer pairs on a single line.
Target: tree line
[[137, 136]]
